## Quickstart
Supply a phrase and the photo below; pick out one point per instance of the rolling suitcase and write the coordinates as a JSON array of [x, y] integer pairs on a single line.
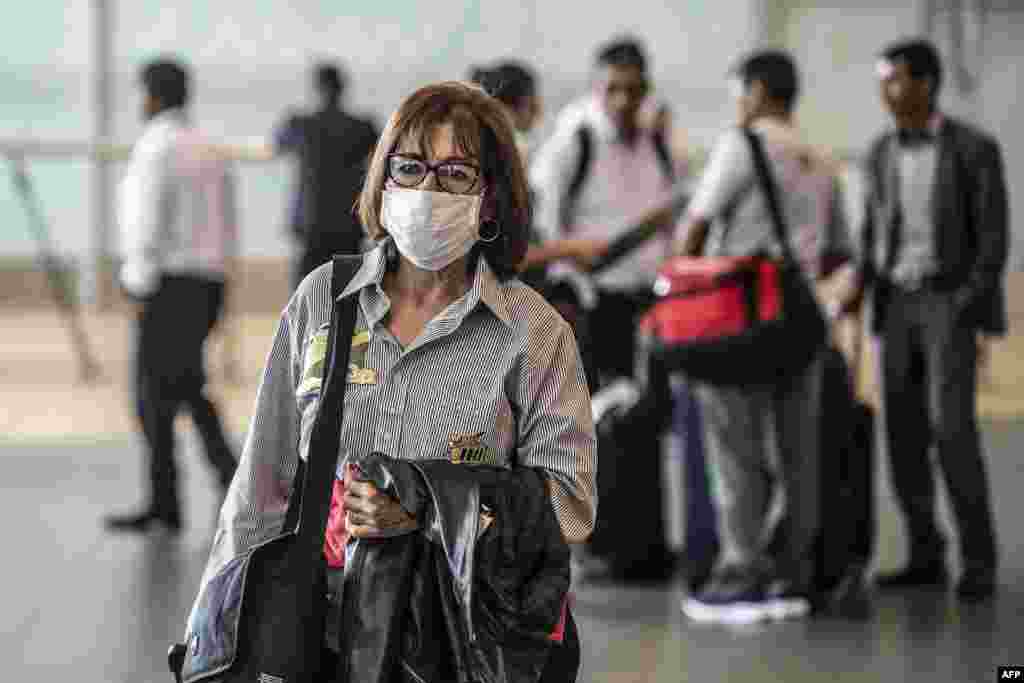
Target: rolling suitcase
[[846, 538], [630, 533]]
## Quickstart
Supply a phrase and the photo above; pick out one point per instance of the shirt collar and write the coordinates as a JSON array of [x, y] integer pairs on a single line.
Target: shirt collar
[[488, 289], [604, 128], [168, 118], [485, 287], [599, 121], [932, 128], [774, 128]]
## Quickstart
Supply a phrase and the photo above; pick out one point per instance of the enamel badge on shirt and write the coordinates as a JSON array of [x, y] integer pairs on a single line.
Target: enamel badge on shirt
[[358, 373], [468, 449], [313, 367], [316, 353]]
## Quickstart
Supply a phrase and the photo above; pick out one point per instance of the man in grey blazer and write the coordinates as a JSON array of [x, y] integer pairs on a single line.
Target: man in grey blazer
[[934, 251]]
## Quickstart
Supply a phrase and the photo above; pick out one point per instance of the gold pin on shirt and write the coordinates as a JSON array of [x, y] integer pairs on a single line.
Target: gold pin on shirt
[[357, 375], [469, 449]]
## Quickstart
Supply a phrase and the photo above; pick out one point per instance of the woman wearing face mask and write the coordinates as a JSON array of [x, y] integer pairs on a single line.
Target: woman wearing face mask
[[451, 354]]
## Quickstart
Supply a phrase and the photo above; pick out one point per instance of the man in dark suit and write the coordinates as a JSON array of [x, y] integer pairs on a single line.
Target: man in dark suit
[[934, 251], [332, 148]]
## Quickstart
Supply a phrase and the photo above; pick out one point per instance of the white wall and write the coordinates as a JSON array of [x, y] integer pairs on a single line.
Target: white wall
[[836, 47], [250, 59]]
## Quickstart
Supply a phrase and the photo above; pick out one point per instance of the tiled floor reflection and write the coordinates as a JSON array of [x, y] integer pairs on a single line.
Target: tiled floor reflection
[[85, 606]]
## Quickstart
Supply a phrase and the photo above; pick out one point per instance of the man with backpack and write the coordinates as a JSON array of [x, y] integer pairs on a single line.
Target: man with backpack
[[331, 148], [763, 440], [600, 170], [604, 172]]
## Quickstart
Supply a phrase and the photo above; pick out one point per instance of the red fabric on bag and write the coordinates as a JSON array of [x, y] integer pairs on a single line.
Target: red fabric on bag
[[336, 535], [558, 635], [704, 298]]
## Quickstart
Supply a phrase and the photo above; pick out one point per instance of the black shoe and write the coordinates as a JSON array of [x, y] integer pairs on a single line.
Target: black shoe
[[976, 586], [697, 575], [143, 522], [920, 576]]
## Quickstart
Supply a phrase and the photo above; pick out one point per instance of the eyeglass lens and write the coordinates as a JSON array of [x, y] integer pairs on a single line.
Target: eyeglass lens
[[452, 176]]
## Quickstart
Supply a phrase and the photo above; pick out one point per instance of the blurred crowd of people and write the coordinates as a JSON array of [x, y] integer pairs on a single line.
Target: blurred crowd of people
[[611, 200]]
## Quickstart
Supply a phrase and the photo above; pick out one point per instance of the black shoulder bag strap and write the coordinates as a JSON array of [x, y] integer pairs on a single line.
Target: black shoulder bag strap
[[806, 320], [314, 477], [766, 182], [585, 141], [317, 473], [585, 144], [661, 150]]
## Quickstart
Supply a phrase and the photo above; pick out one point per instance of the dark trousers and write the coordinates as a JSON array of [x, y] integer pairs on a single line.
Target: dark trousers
[[172, 328], [563, 663], [929, 371], [612, 331], [701, 540]]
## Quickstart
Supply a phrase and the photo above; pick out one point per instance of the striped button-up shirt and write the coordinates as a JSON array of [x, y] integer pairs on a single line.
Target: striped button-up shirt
[[495, 378]]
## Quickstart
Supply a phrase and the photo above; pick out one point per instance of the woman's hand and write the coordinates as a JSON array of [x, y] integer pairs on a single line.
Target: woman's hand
[[370, 513]]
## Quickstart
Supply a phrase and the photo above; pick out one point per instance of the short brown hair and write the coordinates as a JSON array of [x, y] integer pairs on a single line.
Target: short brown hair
[[482, 128]]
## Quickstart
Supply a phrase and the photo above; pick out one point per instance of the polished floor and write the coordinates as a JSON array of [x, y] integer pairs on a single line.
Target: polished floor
[[81, 605]]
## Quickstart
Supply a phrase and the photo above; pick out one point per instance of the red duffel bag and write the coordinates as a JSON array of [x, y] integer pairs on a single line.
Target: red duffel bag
[[747, 320]]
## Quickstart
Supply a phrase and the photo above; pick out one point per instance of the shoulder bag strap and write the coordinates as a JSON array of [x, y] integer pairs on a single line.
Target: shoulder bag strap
[[767, 184], [317, 473], [664, 155], [585, 141]]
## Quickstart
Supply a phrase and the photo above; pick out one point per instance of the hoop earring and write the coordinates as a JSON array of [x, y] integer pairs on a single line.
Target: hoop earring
[[489, 238]]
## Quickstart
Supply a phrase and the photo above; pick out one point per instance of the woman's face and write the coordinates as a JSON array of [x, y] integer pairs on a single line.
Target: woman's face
[[443, 149]]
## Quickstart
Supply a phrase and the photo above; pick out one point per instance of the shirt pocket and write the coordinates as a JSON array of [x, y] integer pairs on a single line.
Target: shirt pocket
[[474, 427]]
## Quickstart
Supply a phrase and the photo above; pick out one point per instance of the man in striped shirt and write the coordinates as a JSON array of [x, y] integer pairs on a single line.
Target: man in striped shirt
[[177, 220]]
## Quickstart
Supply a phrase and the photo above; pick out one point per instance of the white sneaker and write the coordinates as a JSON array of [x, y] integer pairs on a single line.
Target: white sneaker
[[736, 613]]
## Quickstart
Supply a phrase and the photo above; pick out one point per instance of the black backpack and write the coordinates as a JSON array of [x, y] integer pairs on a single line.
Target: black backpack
[[585, 140]]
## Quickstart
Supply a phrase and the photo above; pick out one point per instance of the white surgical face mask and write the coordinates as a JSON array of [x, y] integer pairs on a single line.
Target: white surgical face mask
[[431, 229]]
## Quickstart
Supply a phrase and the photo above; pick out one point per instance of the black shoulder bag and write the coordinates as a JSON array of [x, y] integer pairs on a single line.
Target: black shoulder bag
[[280, 629]]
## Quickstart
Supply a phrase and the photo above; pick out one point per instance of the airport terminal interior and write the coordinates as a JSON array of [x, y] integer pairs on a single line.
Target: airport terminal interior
[[97, 601]]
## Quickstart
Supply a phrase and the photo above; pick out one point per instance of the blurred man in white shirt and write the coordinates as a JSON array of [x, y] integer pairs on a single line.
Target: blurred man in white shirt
[[598, 174], [763, 441], [178, 232]]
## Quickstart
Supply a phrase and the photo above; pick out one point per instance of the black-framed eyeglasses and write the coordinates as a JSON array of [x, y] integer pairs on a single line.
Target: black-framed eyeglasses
[[456, 177]]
